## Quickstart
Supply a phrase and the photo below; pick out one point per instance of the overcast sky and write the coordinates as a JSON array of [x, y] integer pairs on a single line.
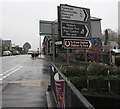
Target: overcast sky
[[20, 18]]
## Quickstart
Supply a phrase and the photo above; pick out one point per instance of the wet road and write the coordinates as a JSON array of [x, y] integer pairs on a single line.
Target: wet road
[[27, 83], [9, 62]]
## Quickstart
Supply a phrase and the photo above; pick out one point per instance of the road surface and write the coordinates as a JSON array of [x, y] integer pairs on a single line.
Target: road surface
[[27, 81]]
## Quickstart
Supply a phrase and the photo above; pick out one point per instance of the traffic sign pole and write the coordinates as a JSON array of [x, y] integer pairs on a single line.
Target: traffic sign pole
[[68, 57], [53, 42]]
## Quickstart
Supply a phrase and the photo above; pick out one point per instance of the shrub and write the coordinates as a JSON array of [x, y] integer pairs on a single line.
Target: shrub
[[64, 69], [84, 89], [74, 79], [97, 69], [78, 82], [97, 77], [117, 60], [72, 71], [115, 71]]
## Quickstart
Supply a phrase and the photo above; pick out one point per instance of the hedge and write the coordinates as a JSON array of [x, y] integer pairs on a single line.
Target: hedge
[[117, 60]]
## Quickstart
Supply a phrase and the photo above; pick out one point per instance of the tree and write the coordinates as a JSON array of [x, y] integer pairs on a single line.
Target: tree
[[112, 35]]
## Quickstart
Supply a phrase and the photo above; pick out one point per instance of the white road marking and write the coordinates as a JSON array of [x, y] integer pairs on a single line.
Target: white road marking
[[11, 72]]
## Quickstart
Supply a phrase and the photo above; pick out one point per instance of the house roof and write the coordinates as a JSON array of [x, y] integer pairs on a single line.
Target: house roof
[[95, 19]]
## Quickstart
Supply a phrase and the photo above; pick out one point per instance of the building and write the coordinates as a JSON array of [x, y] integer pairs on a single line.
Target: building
[[7, 45], [96, 27]]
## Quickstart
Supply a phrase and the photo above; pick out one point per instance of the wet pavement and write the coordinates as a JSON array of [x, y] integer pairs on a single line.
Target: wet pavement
[[27, 85]]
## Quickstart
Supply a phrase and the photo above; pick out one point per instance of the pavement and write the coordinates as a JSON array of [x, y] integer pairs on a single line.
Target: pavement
[[51, 103], [50, 100]]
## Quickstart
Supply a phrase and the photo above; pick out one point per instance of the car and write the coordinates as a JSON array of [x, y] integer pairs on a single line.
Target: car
[[115, 51], [15, 52], [7, 53], [30, 51]]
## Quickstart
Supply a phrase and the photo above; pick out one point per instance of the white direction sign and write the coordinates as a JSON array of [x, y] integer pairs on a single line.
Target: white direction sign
[[74, 30], [75, 44], [73, 13]]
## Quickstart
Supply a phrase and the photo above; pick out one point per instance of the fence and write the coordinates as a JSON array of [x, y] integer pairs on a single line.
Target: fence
[[72, 97]]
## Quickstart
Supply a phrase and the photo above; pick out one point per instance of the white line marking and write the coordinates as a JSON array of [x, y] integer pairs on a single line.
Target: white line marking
[[9, 70], [12, 72], [13, 68]]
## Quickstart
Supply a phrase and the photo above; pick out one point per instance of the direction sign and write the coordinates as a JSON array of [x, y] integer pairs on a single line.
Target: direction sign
[[74, 30], [74, 43], [74, 13]]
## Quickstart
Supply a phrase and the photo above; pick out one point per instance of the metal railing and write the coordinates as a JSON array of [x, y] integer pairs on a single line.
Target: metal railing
[[73, 98]]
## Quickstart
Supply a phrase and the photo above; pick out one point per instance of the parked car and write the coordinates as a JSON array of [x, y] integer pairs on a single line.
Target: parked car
[[7, 53], [15, 52], [30, 51], [115, 51]]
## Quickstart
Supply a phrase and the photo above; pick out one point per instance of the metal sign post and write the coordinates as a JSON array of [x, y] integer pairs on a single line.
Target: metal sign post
[[40, 43], [86, 60], [40, 47], [68, 57], [53, 41]]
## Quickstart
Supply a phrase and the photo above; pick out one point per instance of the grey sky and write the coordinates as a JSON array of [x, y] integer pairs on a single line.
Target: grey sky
[[20, 17], [119, 17]]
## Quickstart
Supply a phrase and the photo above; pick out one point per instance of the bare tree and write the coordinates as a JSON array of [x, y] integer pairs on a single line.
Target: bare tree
[[112, 35]]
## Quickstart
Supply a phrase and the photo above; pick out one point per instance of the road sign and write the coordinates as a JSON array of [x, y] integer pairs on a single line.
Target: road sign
[[74, 30], [75, 44], [74, 13], [74, 22], [48, 28]]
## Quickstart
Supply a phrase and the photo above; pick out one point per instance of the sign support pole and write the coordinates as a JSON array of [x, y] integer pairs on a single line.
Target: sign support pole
[[40, 43], [68, 57], [40, 47], [86, 60], [53, 42]]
